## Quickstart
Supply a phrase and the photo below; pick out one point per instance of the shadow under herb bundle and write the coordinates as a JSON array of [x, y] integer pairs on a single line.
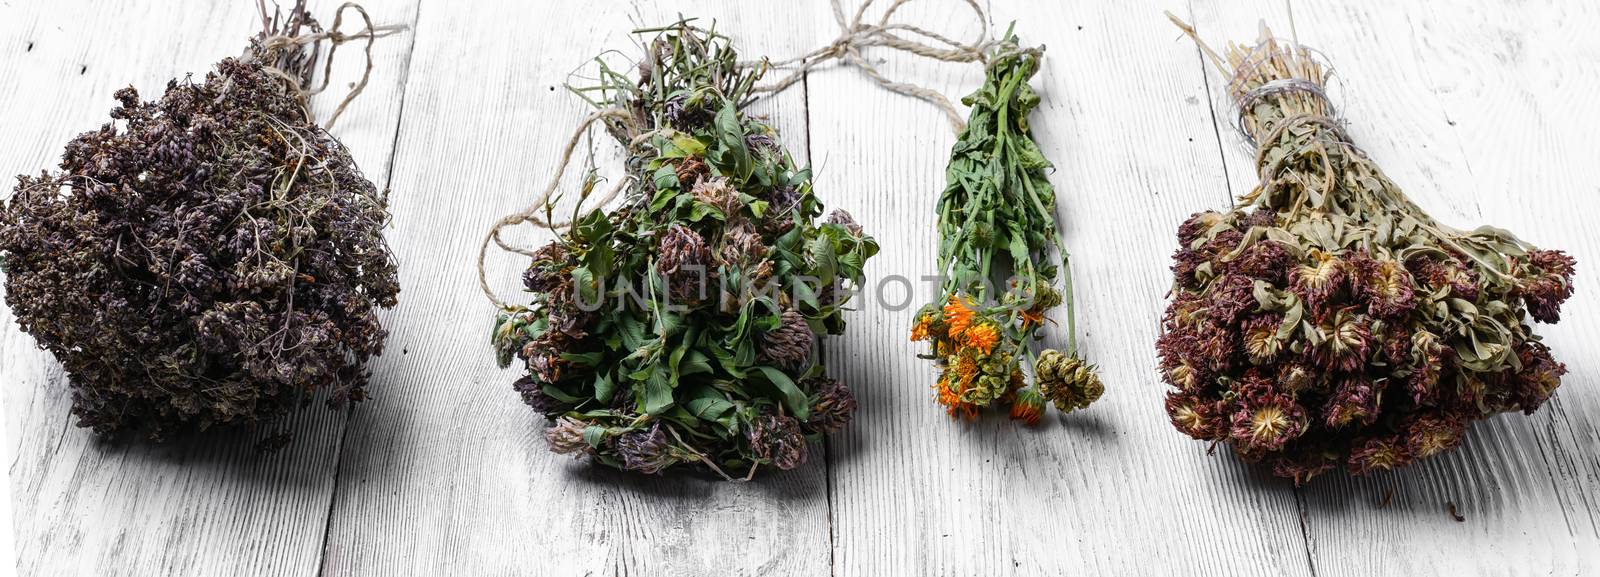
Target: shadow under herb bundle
[[683, 327], [1327, 321], [212, 257]]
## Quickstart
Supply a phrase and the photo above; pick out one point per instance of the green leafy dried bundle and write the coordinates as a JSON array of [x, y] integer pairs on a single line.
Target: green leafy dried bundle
[[681, 328], [1327, 321], [997, 216], [212, 257]]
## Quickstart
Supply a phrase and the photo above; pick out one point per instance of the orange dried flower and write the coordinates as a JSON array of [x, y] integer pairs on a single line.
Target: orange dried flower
[[982, 337], [1028, 407], [949, 395], [958, 316]]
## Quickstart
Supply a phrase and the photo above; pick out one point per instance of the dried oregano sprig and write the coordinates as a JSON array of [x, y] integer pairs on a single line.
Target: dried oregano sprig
[[1327, 321], [997, 215], [682, 328], [212, 257]]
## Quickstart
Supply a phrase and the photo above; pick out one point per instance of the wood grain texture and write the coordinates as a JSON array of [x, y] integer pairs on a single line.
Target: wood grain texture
[[1448, 103], [447, 470], [200, 507], [1481, 113]]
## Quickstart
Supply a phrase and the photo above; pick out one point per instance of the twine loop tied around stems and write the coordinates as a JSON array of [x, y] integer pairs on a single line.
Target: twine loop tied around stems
[[857, 34], [539, 211], [280, 45]]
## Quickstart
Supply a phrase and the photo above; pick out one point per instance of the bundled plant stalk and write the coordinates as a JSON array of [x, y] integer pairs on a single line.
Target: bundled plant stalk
[[997, 216], [209, 258], [683, 327], [1327, 321]]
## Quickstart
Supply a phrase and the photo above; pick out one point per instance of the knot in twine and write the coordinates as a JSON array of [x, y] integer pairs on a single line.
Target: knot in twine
[[284, 45], [855, 35]]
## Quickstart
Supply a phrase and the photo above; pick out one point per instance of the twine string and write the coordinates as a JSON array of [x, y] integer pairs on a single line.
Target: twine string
[[536, 212], [856, 34], [285, 43]]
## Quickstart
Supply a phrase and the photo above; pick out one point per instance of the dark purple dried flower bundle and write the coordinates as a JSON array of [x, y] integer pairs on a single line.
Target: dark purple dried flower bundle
[[209, 258], [1327, 321]]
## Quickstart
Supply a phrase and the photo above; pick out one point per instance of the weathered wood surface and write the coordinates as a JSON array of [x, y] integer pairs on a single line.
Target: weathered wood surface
[[1482, 114]]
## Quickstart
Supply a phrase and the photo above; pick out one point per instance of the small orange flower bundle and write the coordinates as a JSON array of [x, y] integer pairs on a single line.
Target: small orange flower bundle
[[998, 212]]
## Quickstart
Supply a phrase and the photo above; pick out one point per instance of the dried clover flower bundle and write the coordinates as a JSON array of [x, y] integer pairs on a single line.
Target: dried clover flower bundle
[[209, 258], [1327, 321], [997, 213], [683, 327]]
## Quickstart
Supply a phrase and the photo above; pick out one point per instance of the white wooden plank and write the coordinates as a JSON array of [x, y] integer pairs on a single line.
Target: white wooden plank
[[200, 507], [1469, 111], [1114, 490], [447, 471]]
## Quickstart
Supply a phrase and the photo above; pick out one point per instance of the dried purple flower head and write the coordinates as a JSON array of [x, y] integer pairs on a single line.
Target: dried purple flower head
[[1548, 284], [1260, 338], [1538, 379], [742, 243], [1346, 341], [1231, 297], [832, 405], [788, 345], [1196, 417], [565, 437], [687, 113], [1431, 434], [1386, 284], [776, 439], [646, 450], [533, 394], [1319, 279], [717, 193], [1196, 225], [1354, 402], [1378, 454], [1264, 420], [549, 269], [682, 260], [1266, 260], [842, 218]]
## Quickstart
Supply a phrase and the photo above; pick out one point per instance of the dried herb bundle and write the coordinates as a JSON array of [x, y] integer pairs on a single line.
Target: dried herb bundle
[[208, 258], [1326, 320], [681, 327], [997, 214]]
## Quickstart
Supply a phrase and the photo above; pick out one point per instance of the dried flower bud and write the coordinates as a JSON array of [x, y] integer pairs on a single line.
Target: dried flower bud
[[1265, 420], [1378, 454], [647, 451], [1319, 279], [1548, 284], [788, 345], [681, 259], [548, 270], [565, 437], [716, 191], [842, 218], [1195, 417], [832, 407], [1067, 382], [776, 439], [1028, 407], [533, 394], [1354, 401]]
